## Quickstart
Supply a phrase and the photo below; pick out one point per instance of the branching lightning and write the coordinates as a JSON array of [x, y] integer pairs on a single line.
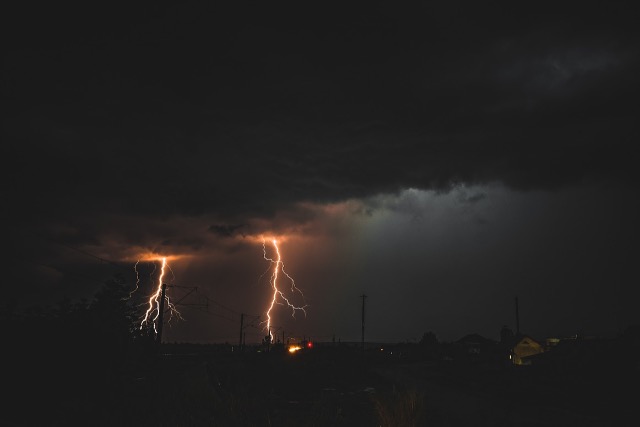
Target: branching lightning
[[154, 302], [278, 296], [135, 268]]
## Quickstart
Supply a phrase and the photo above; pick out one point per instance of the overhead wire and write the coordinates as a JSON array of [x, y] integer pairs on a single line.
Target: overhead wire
[[251, 324]]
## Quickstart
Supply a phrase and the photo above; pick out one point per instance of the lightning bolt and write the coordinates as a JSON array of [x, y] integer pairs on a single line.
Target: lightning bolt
[[135, 268], [153, 310], [278, 296]]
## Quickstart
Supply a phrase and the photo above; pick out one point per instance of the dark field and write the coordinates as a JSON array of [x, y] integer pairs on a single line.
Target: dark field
[[328, 386]]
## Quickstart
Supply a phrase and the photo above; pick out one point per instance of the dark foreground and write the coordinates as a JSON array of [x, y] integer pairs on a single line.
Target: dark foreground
[[318, 387]]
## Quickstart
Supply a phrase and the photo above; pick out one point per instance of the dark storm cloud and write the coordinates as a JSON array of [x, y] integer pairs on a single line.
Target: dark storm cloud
[[405, 152], [225, 230], [167, 111]]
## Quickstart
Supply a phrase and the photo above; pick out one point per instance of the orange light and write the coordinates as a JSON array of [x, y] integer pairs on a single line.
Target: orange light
[[294, 348]]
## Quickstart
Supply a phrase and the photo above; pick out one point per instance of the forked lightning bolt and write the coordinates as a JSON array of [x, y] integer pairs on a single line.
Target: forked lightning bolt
[[278, 296], [153, 310]]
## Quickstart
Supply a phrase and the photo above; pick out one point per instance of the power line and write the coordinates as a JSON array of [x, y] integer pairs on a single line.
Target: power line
[[209, 299], [84, 252], [51, 267], [89, 254], [363, 296], [220, 315], [122, 268]]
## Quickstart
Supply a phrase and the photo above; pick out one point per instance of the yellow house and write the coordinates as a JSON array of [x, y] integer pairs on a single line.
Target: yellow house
[[523, 347]]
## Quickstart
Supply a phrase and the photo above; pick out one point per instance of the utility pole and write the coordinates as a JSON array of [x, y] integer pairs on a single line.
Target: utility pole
[[161, 315], [363, 296], [517, 318], [241, 328]]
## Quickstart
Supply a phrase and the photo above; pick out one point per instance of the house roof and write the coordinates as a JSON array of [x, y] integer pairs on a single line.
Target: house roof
[[475, 339], [518, 338]]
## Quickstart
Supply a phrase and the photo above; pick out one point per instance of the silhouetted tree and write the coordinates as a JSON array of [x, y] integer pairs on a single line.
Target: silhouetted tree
[[113, 319], [506, 334], [77, 338], [429, 339], [429, 345]]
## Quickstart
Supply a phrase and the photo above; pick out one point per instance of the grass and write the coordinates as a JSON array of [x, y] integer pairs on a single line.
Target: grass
[[404, 408]]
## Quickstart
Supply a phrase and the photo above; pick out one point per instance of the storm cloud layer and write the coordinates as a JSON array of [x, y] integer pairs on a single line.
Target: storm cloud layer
[[188, 130]]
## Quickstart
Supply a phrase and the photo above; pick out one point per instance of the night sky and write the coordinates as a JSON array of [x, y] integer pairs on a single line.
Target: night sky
[[441, 158]]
